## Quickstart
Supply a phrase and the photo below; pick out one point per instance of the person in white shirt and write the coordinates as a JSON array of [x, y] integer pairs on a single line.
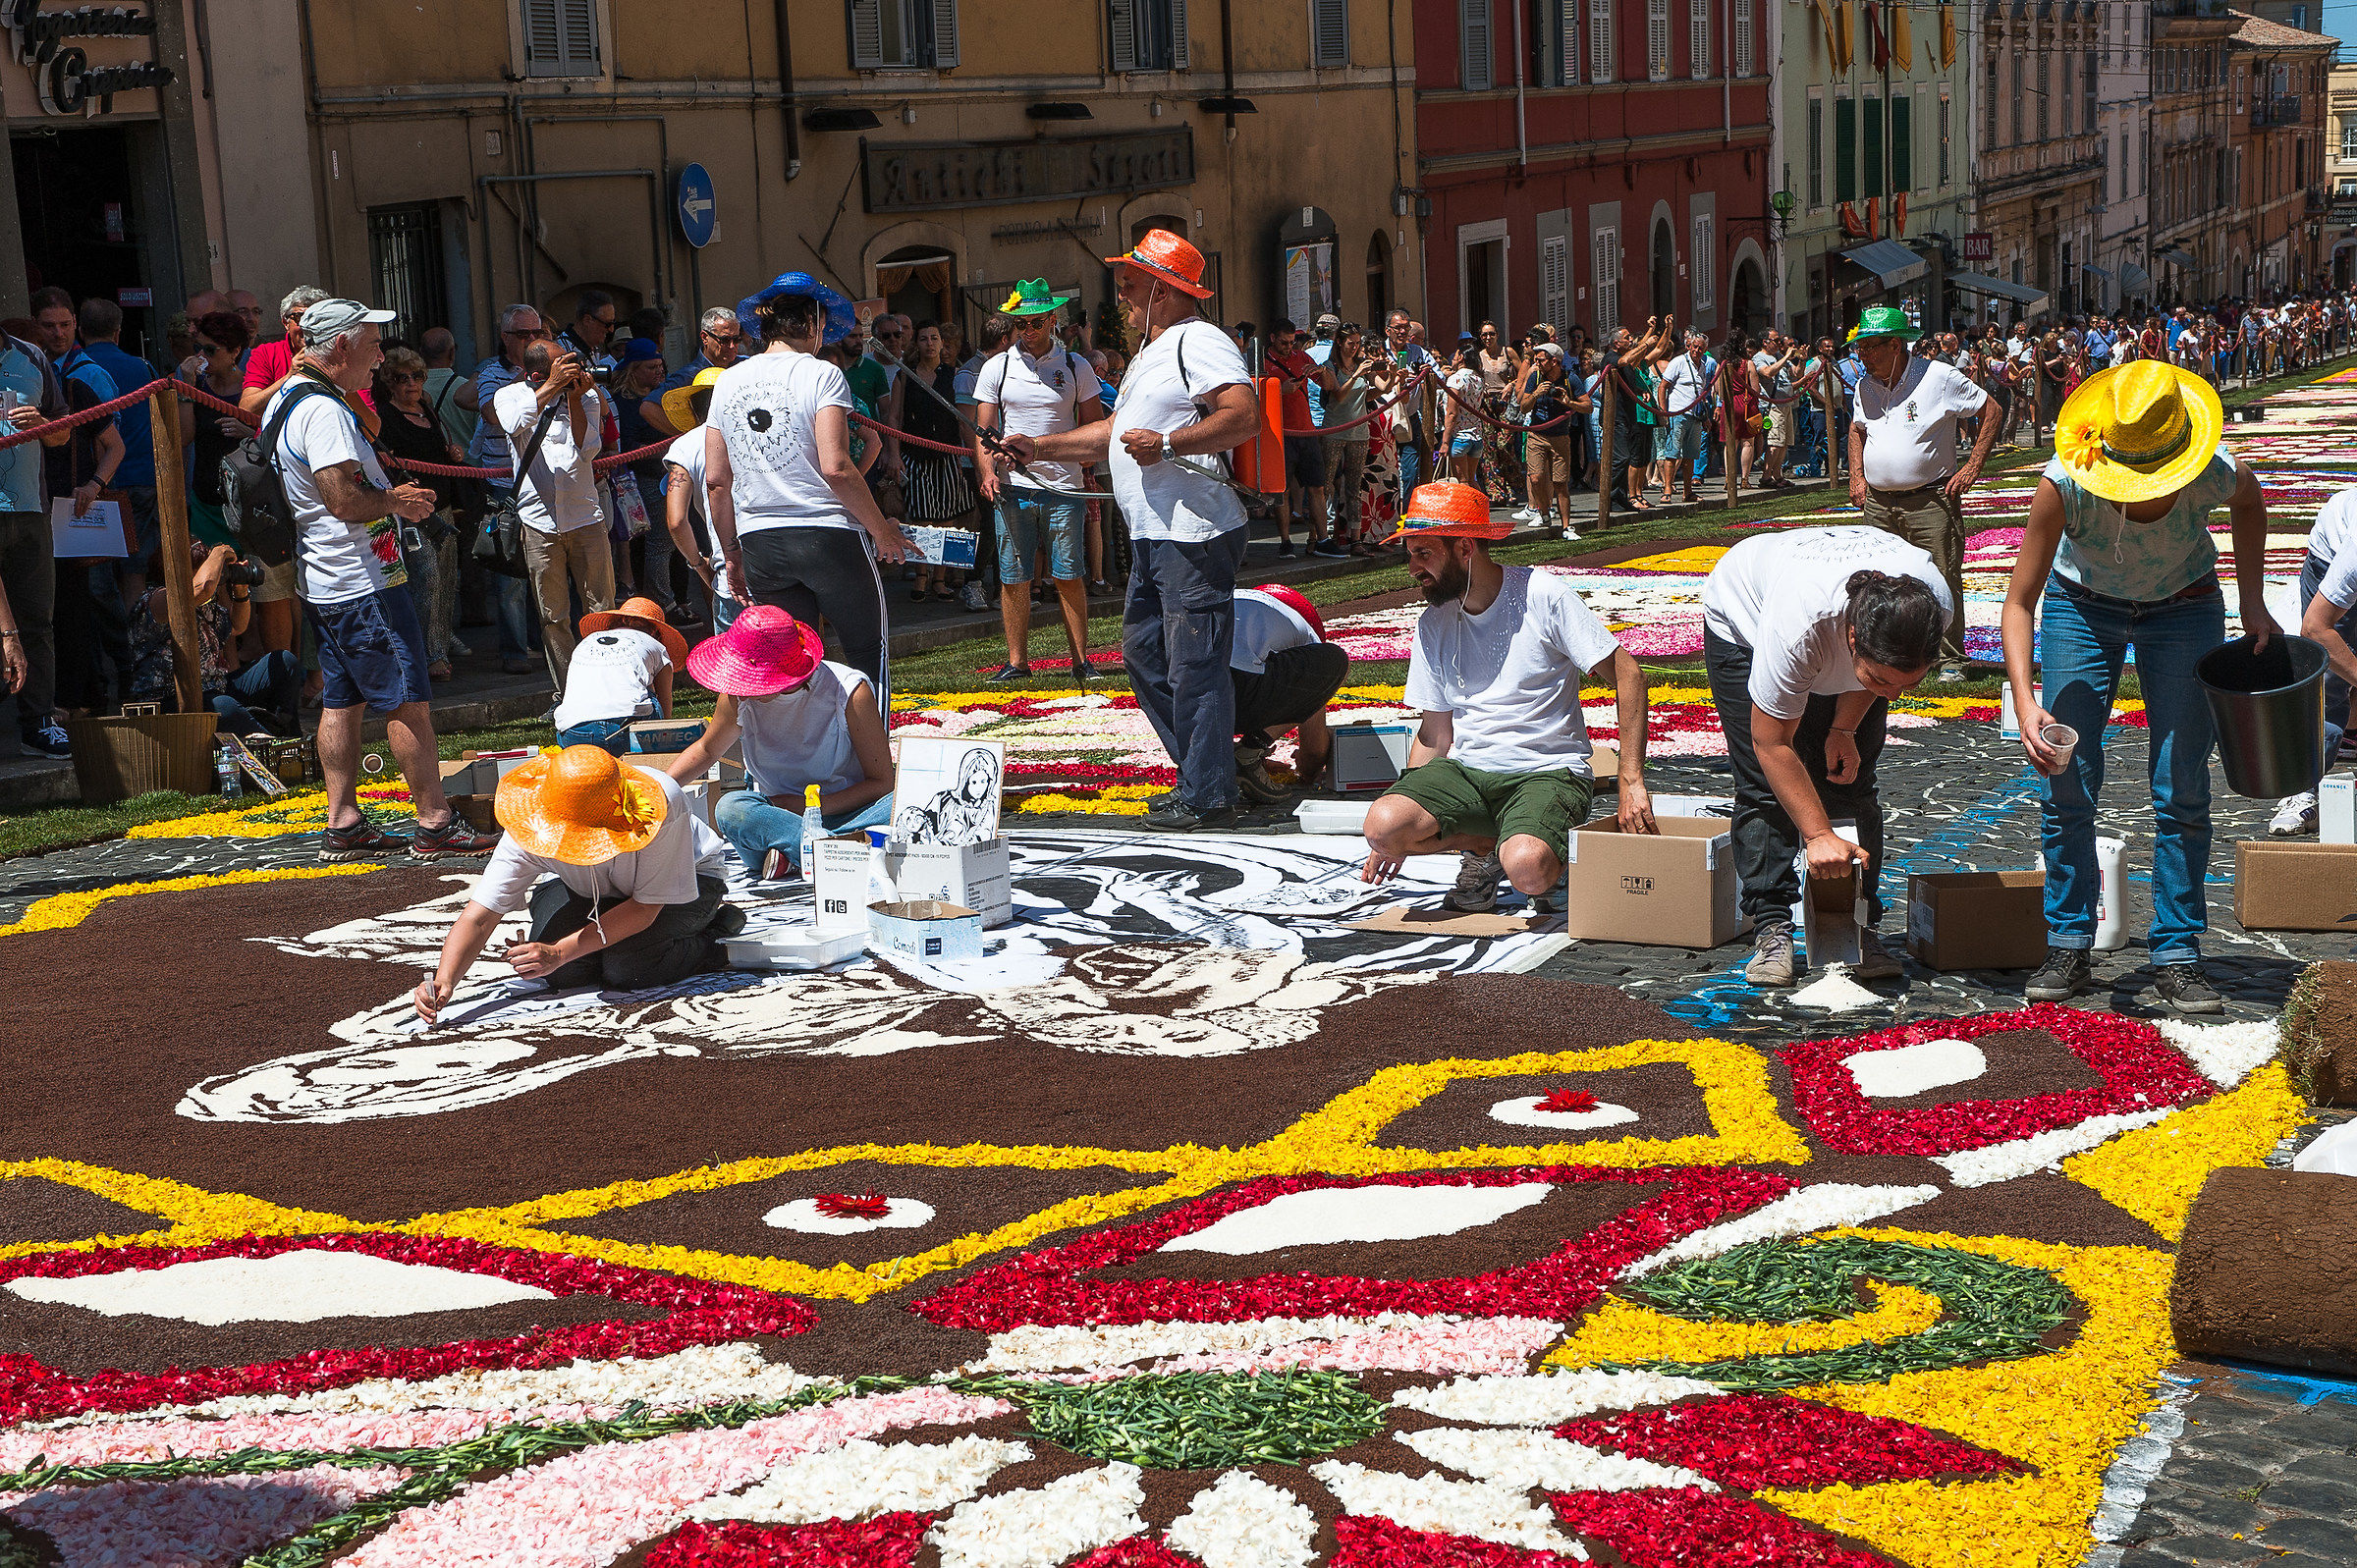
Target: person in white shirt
[[1903, 473], [626, 659], [633, 882], [1187, 401], [684, 512], [1499, 770], [2328, 619], [1286, 672], [1685, 392], [564, 544], [1037, 388], [1807, 635]]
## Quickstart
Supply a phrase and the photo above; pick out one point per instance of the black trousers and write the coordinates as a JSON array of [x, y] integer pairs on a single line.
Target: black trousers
[[1296, 683], [677, 944], [1763, 835], [809, 572], [29, 573]]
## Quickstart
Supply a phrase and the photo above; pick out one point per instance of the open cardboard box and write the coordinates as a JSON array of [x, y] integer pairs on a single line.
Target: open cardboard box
[[1676, 889], [2286, 885], [1976, 919]]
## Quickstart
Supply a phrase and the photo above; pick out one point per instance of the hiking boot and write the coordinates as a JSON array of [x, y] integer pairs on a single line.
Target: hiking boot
[[2183, 987], [1876, 961], [1258, 787], [2295, 816], [2066, 972], [1175, 816], [362, 841], [1476, 890], [1772, 962], [457, 836]]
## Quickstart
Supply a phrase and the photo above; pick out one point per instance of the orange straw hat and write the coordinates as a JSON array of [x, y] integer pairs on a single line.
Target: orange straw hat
[[1170, 258], [639, 615], [582, 805], [1449, 510]]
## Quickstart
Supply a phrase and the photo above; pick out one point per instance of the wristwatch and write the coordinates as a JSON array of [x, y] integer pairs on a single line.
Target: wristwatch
[[1168, 456]]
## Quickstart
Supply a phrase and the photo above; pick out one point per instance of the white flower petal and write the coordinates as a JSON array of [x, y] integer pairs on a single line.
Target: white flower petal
[[1043, 1526], [1545, 1399], [1523, 1457], [1241, 1521], [1476, 1508]]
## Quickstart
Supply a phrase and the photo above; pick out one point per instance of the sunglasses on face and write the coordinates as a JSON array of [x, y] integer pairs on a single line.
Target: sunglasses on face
[[521, 332], [724, 337]]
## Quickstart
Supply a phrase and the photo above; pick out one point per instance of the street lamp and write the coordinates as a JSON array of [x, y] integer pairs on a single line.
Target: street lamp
[[1780, 203]]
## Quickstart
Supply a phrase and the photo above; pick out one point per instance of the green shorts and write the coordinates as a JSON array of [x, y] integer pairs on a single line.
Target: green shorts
[[1499, 805]]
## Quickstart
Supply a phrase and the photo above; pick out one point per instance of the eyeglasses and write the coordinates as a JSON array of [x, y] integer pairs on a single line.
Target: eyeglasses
[[524, 332], [603, 322], [724, 337], [203, 347]]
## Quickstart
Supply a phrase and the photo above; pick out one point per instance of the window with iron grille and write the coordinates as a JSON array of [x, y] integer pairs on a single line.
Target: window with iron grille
[[1698, 38], [1147, 35], [404, 257], [900, 34], [560, 37], [1700, 267], [1330, 32], [1600, 42], [1656, 40], [1607, 283], [1474, 69]]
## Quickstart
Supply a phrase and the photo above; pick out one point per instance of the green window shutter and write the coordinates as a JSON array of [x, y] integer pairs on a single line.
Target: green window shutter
[[1870, 131], [1903, 146], [1846, 150]]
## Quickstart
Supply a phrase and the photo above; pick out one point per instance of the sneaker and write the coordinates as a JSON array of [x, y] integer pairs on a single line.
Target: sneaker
[[2296, 814], [362, 841], [1476, 890], [1876, 961], [1952, 674], [457, 836], [970, 597], [1571, 534], [1330, 547], [1555, 901], [1772, 962], [1525, 514], [1175, 816], [1258, 787], [49, 741], [1285, 550], [2066, 972], [1007, 672], [778, 866], [516, 666], [2183, 987]]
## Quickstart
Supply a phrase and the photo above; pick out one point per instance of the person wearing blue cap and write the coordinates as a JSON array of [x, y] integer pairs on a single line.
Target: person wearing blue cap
[[793, 519]]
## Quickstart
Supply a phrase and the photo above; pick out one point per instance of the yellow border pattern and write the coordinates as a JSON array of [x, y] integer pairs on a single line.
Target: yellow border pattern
[[63, 910]]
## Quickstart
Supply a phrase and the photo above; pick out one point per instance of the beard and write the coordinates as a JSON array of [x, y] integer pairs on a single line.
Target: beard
[[1451, 582]]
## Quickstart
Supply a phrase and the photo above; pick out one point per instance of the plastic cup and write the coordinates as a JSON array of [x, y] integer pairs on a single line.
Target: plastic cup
[[2064, 740]]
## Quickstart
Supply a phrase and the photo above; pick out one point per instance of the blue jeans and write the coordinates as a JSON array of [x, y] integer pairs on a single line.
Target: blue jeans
[[2336, 690], [1410, 465], [1030, 524], [270, 682], [754, 827], [613, 735], [1178, 630], [2086, 638]]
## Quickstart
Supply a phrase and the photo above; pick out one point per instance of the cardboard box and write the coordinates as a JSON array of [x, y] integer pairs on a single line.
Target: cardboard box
[[846, 875], [942, 547], [1678, 889], [979, 877], [2336, 809], [2284, 885], [705, 796], [1977, 919], [795, 948], [1833, 920], [925, 928], [1370, 756], [469, 776], [665, 736]]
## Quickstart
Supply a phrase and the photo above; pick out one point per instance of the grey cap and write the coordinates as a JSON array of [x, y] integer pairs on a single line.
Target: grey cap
[[330, 319], [1329, 319]]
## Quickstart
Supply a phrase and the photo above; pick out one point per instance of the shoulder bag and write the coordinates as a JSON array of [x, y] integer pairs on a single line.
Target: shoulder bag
[[499, 536]]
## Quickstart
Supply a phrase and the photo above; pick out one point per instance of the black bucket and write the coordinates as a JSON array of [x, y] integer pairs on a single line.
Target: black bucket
[[2269, 709]]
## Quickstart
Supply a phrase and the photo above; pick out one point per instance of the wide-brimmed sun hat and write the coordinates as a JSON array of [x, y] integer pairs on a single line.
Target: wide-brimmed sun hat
[[838, 320], [1446, 508], [766, 651], [1033, 298], [639, 615], [2138, 430], [582, 806], [679, 404], [1298, 605], [1170, 258], [1883, 321]]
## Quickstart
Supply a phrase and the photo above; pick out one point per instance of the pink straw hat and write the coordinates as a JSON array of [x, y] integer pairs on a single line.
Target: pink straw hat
[[765, 652]]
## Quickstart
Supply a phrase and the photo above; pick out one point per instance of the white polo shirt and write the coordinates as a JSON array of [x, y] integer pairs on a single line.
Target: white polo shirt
[[1040, 396], [1265, 625], [1911, 428]]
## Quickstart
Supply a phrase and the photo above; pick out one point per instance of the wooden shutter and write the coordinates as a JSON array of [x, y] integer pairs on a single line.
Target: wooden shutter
[[1698, 38], [1902, 144], [1746, 61], [577, 20], [559, 38], [1700, 264], [1870, 137], [1120, 26], [945, 34], [1329, 22], [1600, 65], [1473, 35], [1656, 40], [543, 37], [867, 34], [1607, 283], [1846, 150], [1178, 51], [1555, 284]]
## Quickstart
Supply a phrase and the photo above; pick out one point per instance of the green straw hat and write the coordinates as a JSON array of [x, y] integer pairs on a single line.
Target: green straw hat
[[1883, 321], [1033, 298]]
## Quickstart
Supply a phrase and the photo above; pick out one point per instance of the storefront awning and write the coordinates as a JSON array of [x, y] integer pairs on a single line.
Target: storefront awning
[[2133, 279], [2104, 273], [1894, 263], [2032, 300], [2178, 257]]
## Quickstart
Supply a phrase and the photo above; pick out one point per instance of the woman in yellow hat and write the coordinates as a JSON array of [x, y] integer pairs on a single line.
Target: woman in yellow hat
[[634, 881], [2118, 552]]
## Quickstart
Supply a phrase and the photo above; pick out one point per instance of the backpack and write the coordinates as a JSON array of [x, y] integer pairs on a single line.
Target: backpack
[[253, 488]]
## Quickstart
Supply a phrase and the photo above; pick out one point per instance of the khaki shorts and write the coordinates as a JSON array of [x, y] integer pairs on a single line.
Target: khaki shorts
[[1499, 806], [1780, 423], [1550, 457], [278, 582]]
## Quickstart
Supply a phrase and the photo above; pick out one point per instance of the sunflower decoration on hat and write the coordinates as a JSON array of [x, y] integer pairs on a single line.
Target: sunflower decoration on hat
[[1033, 298], [2139, 430], [582, 806], [1883, 321], [1448, 508]]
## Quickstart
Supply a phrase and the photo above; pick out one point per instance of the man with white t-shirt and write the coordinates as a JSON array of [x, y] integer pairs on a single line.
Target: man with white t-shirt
[[1685, 390], [1499, 771], [1187, 401], [354, 588], [1037, 388], [2328, 619], [1903, 473], [1284, 672], [564, 544], [683, 494]]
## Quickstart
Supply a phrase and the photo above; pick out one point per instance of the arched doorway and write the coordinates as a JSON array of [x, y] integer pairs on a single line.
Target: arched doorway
[[919, 282], [1747, 303], [1664, 272], [1379, 280]]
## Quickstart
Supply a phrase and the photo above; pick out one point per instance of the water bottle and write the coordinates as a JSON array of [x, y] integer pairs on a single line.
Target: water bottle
[[224, 774], [814, 825]]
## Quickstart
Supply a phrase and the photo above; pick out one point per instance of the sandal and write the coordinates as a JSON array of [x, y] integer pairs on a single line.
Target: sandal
[[916, 595], [946, 595]]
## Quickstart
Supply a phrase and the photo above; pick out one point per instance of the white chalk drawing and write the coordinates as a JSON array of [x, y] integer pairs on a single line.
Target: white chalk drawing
[[947, 792]]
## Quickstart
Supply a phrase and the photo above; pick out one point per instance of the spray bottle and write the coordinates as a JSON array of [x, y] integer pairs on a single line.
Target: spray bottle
[[814, 827]]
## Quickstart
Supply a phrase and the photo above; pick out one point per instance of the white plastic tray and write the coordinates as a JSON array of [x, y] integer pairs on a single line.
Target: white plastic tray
[[1333, 816], [795, 947]]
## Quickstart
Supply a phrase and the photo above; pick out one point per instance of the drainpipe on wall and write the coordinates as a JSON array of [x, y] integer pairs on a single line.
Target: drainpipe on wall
[[785, 97], [1228, 87], [1727, 68]]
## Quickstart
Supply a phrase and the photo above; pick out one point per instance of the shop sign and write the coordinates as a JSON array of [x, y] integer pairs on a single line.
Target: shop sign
[[904, 177], [65, 80], [1980, 248]]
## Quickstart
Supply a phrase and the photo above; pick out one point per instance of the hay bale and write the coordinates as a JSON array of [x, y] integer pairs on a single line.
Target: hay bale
[[2320, 1033], [2268, 1271]]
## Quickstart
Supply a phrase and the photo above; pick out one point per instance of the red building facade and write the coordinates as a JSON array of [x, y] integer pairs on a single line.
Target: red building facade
[[1593, 162]]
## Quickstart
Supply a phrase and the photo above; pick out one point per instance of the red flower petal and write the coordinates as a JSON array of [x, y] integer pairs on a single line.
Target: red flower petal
[[1689, 1528], [853, 1205], [1755, 1441], [1364, 1541], [887, 1540], [1138, 1551], [1568, 1099]]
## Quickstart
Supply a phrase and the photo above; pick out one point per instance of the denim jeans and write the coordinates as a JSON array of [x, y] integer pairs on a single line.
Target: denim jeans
[[611, 735], [2336, 690], [271, 683], [2085, 641], [1178, 630], [754, 827]]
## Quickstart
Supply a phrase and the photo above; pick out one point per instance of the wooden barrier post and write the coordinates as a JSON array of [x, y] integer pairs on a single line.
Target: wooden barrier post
[[1604, 474], [1827, 374], [172, 518]]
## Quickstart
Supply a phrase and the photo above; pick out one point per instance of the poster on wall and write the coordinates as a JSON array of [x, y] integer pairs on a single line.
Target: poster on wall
[[1308, 282]]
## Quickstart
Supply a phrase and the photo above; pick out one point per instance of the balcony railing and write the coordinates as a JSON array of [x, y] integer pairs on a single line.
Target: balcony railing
[[2269, 112]]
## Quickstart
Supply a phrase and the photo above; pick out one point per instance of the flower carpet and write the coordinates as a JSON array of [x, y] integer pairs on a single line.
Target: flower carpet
[[1170, 1236]]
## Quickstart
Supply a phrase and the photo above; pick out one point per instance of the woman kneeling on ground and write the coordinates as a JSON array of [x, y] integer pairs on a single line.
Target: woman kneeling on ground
[[1807, 636], [2117, 550], [806, 721], [635, 882], [626, 658]]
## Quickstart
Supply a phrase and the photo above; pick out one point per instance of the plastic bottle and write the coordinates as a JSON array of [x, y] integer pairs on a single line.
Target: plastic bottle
[[814, 826], [225, 775], [2110, 900]]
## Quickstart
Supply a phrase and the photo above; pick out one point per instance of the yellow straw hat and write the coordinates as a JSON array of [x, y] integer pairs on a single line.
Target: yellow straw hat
[[679, 404], [2138, 430], [582, 805]]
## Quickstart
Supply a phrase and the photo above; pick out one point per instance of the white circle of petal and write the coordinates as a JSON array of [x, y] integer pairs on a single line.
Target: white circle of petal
[[1525, 1113], [1914, 1070], [900, 1214]]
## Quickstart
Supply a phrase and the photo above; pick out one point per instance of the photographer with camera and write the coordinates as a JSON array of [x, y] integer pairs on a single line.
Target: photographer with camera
[[256, 700], [565, 541]]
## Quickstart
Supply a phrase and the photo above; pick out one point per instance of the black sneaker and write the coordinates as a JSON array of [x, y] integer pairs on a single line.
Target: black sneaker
[[49, 741], [1175, 816], [1257, 787], [1330, 547], [2066, 972], [1285, 550], [457, 836], [362, 841], [1006, 673], [2183, 987]]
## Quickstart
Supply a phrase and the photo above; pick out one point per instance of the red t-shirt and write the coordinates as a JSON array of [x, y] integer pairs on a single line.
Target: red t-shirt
[[267, 364], [1292, 381]]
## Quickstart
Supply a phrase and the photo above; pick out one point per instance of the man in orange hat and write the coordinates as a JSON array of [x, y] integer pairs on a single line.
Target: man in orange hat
[[1187, 401], [633, 882], [1499, 770]]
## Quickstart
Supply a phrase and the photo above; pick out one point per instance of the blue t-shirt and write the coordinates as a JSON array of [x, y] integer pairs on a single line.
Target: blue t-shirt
[[85, 386], [2102, 551], [21, 464], [139, 443], [2176, 330], [489, 447], [1321, 354], [635, 431]]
